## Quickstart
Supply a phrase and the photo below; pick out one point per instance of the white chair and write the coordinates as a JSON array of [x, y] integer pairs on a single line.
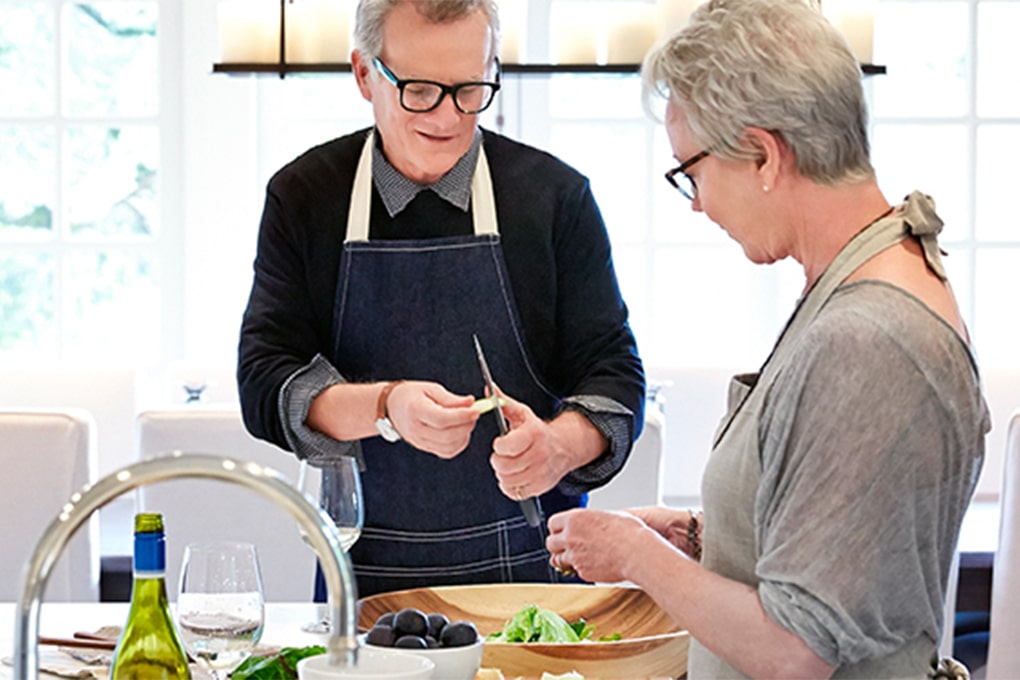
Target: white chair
[[1004, 630], [640, 481], [107, 394], [205, 510], [47, 455]]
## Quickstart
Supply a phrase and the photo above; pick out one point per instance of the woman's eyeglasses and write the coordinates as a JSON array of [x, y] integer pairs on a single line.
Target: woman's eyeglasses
[[681, 181]]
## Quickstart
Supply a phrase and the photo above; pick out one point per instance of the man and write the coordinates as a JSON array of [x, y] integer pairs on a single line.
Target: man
[[380, 255]]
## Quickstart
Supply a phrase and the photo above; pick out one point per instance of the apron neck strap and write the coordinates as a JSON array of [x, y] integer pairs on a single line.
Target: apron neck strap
[[483, 202], [915, 217]]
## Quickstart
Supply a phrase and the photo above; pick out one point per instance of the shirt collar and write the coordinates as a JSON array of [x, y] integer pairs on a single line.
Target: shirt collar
[[397, 191]]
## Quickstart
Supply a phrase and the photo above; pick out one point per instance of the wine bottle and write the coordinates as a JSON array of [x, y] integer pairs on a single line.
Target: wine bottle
[[149, 647]]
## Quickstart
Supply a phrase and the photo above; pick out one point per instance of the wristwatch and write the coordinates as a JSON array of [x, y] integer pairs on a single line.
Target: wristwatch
[[382, 417]]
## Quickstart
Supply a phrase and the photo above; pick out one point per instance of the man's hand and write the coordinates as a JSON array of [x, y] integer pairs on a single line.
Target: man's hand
[[535, 455], [432, 419]]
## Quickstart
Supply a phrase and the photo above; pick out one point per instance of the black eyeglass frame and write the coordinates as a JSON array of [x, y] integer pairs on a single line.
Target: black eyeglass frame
[[682, 170], [451, 90]]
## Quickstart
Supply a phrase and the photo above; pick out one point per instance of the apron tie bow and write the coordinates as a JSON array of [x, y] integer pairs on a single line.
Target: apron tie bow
[[918, 215]]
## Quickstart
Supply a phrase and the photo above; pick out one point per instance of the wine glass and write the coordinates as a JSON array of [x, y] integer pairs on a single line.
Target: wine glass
[[220, 606], [343, 500]]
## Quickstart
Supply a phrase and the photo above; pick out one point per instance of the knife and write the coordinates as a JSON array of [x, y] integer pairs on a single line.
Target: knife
[[529, 506]]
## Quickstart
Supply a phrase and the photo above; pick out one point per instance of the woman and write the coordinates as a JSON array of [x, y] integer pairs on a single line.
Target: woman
[[838, 480]]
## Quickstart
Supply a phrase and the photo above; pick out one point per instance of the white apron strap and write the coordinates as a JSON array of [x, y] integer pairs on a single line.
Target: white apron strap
[[361, 195], [483, 201]]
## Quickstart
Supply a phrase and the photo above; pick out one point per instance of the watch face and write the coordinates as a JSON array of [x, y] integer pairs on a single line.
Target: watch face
[[386, 430]]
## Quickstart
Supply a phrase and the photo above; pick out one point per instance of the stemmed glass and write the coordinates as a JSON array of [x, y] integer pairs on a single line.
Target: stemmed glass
[[344, 502], [220, 606]]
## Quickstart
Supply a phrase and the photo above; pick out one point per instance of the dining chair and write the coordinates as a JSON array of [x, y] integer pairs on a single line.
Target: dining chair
[[197, 510], [639, 482], [1004, 626], [47, 456]]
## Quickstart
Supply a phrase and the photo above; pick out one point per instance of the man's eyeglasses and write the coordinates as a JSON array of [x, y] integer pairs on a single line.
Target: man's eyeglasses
[[422, 96], [683, 182]]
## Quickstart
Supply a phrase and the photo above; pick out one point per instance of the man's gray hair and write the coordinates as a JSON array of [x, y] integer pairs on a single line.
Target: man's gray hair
[[778, 65], [371, 15]]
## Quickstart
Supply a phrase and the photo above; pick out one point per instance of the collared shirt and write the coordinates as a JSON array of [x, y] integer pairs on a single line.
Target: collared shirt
[[397, 191]]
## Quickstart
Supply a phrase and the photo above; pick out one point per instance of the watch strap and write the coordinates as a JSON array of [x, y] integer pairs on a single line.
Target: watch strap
[[381, 410]]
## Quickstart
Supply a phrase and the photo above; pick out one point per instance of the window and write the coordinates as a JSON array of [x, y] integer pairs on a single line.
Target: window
[[945, 120], [92, 175], [80, 190]]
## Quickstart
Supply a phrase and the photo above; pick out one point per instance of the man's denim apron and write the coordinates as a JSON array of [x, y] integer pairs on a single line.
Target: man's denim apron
[[407, 309]]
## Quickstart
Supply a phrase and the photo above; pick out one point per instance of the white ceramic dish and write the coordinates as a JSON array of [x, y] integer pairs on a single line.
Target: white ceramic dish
[[452, 663], [373, 664]]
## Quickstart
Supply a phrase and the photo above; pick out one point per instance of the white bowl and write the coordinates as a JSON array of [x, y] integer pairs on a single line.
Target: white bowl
[[373, 663], [452, 663]]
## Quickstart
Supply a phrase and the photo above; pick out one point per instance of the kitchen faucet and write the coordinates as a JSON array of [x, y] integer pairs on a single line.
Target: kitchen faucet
[[319, 527]]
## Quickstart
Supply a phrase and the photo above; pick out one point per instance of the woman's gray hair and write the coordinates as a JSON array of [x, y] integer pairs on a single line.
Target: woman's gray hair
[[371, 15], [778, 65]]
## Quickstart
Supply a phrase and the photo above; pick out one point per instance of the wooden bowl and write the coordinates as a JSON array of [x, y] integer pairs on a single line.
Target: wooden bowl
[[652, 645]]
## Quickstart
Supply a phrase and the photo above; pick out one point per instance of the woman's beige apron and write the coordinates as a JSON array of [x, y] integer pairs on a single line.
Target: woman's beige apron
[[733, 473]]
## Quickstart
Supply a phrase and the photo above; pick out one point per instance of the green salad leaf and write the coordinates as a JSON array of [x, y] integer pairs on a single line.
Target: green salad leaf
[[279, 666], [532, 624]]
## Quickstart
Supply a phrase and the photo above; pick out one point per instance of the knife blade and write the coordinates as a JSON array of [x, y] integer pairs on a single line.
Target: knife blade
[[530, 507]]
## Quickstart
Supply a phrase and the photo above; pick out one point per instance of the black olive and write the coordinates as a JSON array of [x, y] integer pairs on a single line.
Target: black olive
[[431, 642], [459, 634], [381, 635], [386, 619], [411, 621], [411, 642], [436, 624]]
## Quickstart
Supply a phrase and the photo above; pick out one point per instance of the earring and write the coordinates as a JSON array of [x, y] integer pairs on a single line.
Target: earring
[[765, 188]]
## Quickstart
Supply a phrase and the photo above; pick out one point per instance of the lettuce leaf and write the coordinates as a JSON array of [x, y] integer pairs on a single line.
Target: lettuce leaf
[[533, 624], [279, 666]]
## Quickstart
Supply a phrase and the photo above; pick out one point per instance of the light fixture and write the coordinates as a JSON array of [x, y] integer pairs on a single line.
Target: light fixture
[[284, 36], [855, 19], [313, 36]]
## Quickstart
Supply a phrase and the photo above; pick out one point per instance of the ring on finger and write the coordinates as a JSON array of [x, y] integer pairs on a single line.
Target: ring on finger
[[559, 567]]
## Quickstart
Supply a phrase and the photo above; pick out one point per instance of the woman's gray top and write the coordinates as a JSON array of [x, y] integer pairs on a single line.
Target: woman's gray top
[[838, 484]]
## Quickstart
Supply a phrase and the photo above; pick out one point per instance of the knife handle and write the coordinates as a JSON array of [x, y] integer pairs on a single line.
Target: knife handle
[[532, 510]]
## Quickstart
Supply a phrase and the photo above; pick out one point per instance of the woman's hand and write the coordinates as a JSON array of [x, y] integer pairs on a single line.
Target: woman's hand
[[669, 523], [596, 544]]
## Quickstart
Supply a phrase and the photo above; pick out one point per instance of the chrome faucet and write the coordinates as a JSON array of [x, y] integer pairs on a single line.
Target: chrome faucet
[[321, 531]]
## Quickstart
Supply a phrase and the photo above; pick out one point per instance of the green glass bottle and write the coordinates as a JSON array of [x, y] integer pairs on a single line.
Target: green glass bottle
[[149, 648]]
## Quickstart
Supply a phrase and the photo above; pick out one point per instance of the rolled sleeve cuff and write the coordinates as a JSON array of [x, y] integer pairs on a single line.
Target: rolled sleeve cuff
[[296, 397], [616, 423], [831, 632]]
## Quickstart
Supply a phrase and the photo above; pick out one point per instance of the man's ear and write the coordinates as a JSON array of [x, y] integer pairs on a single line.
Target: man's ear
[[362, 72]]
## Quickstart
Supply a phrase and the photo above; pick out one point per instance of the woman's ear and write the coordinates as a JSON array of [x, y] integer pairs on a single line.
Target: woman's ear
[[770, 150], [362, 72]]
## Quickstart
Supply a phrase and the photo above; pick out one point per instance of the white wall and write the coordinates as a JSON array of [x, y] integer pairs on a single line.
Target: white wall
[[222, 189]]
